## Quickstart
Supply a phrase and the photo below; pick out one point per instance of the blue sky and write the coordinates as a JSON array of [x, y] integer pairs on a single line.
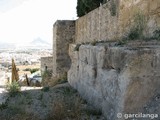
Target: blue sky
[[23, 21]]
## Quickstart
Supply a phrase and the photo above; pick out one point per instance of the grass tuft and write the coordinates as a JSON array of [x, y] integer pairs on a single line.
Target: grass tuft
[[3, 106], [66, 107], [13, 88], [45, 89], [156, 34]]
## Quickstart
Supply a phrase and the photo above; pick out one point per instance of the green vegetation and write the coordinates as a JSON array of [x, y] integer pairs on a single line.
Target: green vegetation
[[94, 42], [45, 89], [16, 112], [31, 70], [34, 70], [122, 42], [13, 88], [46, 79], [93, 112], [70, 105], [67, 105], [156, 34], [27, 69], [3, 106], [59, 80], [136, 31], [46, 74], [64, 108], [61, 102], [77, 47], [67, 91], [113, 8], [85, 6], [40, 97]]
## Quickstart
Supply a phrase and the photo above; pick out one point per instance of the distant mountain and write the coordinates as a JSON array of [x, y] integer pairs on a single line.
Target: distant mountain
[[39, 43]]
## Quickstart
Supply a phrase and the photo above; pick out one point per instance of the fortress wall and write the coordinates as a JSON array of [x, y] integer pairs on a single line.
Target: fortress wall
[[113, 21], [46, 63], [97, 25], [63, 35]]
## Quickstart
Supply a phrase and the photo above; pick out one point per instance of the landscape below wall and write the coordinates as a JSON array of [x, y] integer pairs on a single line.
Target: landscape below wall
[[117, 79]]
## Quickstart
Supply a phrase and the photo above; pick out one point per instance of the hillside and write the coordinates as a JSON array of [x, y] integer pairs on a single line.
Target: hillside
[[61, 102]]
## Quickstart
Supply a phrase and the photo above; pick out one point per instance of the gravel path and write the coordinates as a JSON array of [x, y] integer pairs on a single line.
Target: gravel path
[[2, 87], [2, 95]]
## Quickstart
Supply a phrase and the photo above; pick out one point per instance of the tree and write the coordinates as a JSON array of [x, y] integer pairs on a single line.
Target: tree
[[85, 6]]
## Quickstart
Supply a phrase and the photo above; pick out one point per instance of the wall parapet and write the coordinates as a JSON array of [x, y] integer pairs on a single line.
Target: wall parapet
[[103, 24], [98, 24]]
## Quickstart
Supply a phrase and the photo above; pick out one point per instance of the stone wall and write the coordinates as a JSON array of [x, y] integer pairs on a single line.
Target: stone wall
[[114, 20], [63, 35], [118, 79], [115, 79], [46, 64], [128, 9], [98, 24]]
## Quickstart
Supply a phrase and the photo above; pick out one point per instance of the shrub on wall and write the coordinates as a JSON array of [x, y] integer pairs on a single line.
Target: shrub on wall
[[46, 74], [77, 47], [113, 8], [156, 34], [136, 31]]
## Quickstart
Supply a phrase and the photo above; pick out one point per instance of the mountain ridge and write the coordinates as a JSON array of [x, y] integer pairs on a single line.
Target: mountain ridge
[[37, 43]]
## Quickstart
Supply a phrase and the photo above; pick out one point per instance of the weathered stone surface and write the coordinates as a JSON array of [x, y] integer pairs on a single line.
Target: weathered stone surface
[[114, 79], [63, 35], [46, 64], [97, 25], [114, 20], [129, 9], [117, 79]]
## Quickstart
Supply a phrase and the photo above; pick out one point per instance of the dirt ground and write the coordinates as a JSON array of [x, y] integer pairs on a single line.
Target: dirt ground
[[61, 102], [2, 87], [23, 67]]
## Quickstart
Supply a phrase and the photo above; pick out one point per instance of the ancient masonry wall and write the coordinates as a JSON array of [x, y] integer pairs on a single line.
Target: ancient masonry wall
[[46, 64], [63, 35], [114, 79], [97, 25], [114, 20], [118, 79], [110, 22]]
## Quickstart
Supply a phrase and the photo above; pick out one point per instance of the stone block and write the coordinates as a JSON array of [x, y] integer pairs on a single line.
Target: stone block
[[117, 79]]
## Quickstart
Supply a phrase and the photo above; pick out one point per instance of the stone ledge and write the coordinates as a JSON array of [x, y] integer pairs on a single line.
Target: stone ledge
[[116, 79]]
